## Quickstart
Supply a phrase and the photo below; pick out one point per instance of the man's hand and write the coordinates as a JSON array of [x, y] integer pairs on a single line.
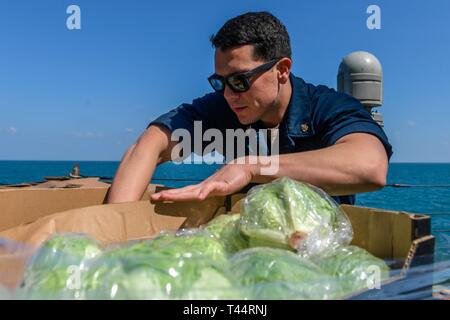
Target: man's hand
[[229, 179]]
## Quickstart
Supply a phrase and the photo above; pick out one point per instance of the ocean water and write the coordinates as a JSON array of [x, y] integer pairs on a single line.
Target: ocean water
[[170, 174]]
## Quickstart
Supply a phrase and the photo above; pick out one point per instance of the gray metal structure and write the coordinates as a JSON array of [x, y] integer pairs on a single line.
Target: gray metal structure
[[361, 76]]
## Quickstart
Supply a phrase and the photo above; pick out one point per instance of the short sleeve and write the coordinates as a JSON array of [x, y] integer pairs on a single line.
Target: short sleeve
[[211, 111], [338, 114], [201, 109]]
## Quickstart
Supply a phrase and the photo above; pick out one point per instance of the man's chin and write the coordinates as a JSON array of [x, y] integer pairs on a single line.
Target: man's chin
[[246, 121]]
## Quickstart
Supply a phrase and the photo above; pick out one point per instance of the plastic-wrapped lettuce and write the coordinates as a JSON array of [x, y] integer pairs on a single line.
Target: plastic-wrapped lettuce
[[274, 274], [55, 270], [355, 267], [189, 243], [291, 215], [199, 268], [190, 265], [226, 228], [213, 283], [59, 283], [65, 250], [110, 277]]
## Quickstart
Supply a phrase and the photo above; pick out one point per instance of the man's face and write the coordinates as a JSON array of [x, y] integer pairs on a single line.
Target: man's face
[[258, 102]]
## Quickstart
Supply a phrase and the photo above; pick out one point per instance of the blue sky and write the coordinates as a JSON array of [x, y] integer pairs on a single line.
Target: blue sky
[[87, 94]]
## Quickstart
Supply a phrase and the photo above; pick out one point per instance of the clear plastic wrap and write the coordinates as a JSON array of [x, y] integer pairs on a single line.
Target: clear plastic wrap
[[55, 270], [189, 243], [274, 274], [355, 268], [226, 228], [131, 271], [188, 264], [293, 215]]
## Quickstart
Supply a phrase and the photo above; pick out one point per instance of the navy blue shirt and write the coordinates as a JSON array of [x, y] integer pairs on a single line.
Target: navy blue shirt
[[317, 116]]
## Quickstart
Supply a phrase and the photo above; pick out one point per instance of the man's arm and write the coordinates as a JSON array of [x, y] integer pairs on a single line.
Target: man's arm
[[138, 164], [355, 163]]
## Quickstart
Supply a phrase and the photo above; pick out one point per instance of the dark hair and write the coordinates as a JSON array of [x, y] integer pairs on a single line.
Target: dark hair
[[261, 29]]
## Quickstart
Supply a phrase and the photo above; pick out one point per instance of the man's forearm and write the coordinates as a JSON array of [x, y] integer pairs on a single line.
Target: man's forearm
[[137, 166], [131, 179], [350, 167]]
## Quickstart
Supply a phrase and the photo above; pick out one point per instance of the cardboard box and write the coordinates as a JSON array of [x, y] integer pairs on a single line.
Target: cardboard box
[[21, 205], [29, 216]]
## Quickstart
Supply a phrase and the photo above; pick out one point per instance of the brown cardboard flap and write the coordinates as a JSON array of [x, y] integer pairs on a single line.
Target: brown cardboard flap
[[27, 205], [386, 234], [12, 267], [113, 223], [20, 206], [371, 231], [13, 258], [235, 202], [106, 223]]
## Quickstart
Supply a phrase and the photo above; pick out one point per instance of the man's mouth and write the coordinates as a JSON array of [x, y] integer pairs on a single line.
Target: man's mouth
[[238, 109]]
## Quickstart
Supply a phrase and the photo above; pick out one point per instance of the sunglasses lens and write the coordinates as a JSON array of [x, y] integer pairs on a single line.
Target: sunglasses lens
[[238, 84], [216, 83]]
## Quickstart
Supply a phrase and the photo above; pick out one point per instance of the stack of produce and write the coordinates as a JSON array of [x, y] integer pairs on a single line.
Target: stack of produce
[[291, 241]]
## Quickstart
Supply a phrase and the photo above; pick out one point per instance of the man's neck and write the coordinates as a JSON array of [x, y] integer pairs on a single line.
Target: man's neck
[[276, 113]]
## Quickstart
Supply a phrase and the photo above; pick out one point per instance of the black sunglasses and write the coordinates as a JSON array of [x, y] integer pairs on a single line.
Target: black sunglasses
[[239, 82]]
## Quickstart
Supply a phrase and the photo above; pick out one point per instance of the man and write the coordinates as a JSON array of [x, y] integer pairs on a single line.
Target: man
[[326, 138]]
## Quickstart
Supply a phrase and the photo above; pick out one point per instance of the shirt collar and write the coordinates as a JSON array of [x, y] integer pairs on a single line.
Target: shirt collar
[[297, 120]]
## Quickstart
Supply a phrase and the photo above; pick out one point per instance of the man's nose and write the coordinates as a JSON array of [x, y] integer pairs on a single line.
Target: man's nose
[[230, 95]]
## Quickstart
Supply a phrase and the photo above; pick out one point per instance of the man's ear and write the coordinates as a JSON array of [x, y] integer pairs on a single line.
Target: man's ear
[[284, 70]]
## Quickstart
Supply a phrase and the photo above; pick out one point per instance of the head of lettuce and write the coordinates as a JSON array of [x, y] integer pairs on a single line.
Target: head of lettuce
[[293, 215]]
